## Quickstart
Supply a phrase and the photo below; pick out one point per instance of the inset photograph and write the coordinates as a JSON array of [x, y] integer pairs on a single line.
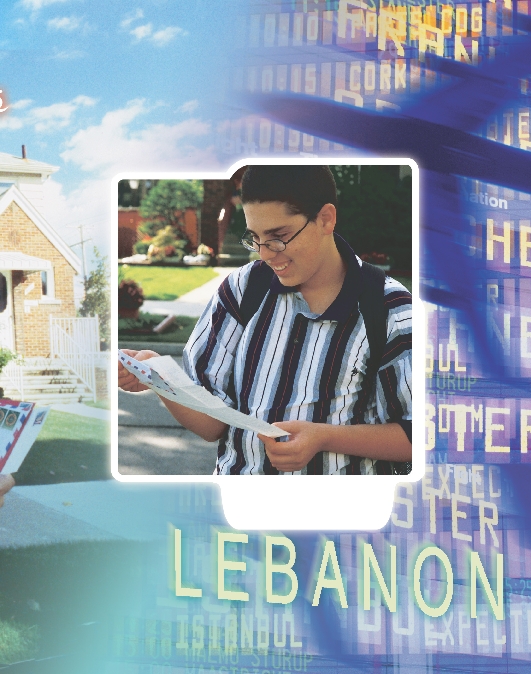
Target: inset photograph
[[265, 322]]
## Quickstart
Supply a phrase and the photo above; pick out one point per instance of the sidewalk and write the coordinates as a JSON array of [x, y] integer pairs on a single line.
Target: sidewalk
[[152, 442], [80, 511], [192, 303]]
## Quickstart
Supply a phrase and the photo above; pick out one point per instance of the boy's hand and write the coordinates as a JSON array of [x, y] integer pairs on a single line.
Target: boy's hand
[[305, 441], [6, 483], [126, 380]]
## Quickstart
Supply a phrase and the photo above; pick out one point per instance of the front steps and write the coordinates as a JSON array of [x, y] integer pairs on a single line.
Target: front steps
[[47, 382]]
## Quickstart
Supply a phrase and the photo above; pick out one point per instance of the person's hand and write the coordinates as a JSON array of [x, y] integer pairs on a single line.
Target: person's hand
[[6, 483], [302, 445], [126, 380]]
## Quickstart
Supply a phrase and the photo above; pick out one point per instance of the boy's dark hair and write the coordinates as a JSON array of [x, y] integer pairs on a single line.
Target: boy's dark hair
[[304, 189]]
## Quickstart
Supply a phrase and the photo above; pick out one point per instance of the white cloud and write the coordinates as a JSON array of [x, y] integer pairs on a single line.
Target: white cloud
[[10, 123], [87, 205], [139, 14], [58, 115], [160, 38], [166, 35], [65, 23], [189, 106], [20, 105], [140, 32], [46, 118], [35, 5], [113, 146], [68, 55]]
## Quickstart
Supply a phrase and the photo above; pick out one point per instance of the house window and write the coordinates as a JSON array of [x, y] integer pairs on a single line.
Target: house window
[[47, 284]]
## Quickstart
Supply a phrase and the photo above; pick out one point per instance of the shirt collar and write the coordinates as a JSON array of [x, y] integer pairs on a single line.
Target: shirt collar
[[347, 300]]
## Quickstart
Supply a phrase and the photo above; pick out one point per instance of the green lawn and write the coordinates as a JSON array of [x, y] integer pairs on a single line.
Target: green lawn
[[168, 283], [70, 448], [104, 404], [140, 329], [17, 641], [57, 599]]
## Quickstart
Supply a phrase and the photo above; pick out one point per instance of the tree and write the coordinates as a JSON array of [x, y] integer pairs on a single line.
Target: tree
[[374, 211], [164, 204], [97, 300]]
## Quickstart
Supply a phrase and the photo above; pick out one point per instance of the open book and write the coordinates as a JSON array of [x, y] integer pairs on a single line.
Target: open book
[[162, 375], [20, 424]]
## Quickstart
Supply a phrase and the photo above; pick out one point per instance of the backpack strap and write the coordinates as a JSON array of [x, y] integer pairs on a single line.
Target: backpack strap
[[371, 305], [258, 285], [372, 308]]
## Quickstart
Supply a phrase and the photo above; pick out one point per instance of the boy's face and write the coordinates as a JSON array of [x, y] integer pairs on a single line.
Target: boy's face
[[304, 256]]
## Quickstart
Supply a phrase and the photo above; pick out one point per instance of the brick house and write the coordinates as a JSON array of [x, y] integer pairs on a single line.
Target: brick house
[[37, 270]]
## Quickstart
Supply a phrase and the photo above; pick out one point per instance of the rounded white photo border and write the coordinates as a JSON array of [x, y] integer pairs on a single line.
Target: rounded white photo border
[[309, 502]]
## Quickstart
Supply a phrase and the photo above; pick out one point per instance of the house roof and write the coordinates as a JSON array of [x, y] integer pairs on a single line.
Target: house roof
[[16, 165], [14, 195], [16, 260]]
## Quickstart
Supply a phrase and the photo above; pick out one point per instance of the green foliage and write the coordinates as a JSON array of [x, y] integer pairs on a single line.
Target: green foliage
[[374, 211], [167, 243], [237, 224], [123, 272], [141, 329], [163, 205], [17, 642], [141, 247], [97, 300], [130, 295], [6, 356]]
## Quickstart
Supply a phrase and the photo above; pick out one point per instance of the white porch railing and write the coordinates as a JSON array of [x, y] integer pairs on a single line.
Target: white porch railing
[[13, 374], [76, 342]]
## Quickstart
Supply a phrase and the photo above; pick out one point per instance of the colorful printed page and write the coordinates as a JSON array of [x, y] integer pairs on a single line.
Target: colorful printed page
[[13, 417], [26, 439], [166, 378]]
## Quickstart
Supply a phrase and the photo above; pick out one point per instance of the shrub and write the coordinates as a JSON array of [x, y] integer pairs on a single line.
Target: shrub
[[130, 295], [141, 247]]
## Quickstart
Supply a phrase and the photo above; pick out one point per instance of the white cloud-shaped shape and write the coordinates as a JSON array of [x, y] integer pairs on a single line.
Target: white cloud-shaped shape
[[139, 14], [68, 55], [22, 104], [113, 146], [166, 35], [141, 32], [46, 118], [65, 23], [160, 37], [35, 5], [189, 106]]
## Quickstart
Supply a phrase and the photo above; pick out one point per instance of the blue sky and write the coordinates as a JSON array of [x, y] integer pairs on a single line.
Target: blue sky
[[98, 87]]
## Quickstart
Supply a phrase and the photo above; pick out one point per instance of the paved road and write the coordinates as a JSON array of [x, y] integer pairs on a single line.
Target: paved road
[[152, 442]]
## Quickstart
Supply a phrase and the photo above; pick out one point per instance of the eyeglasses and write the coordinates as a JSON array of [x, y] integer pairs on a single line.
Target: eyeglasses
[[274, 245]]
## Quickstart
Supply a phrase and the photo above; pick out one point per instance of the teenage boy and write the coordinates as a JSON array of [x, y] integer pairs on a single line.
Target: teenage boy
[[300, 360]]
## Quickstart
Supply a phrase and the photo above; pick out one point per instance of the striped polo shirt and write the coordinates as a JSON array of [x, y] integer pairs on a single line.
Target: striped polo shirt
[[291, 364]]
